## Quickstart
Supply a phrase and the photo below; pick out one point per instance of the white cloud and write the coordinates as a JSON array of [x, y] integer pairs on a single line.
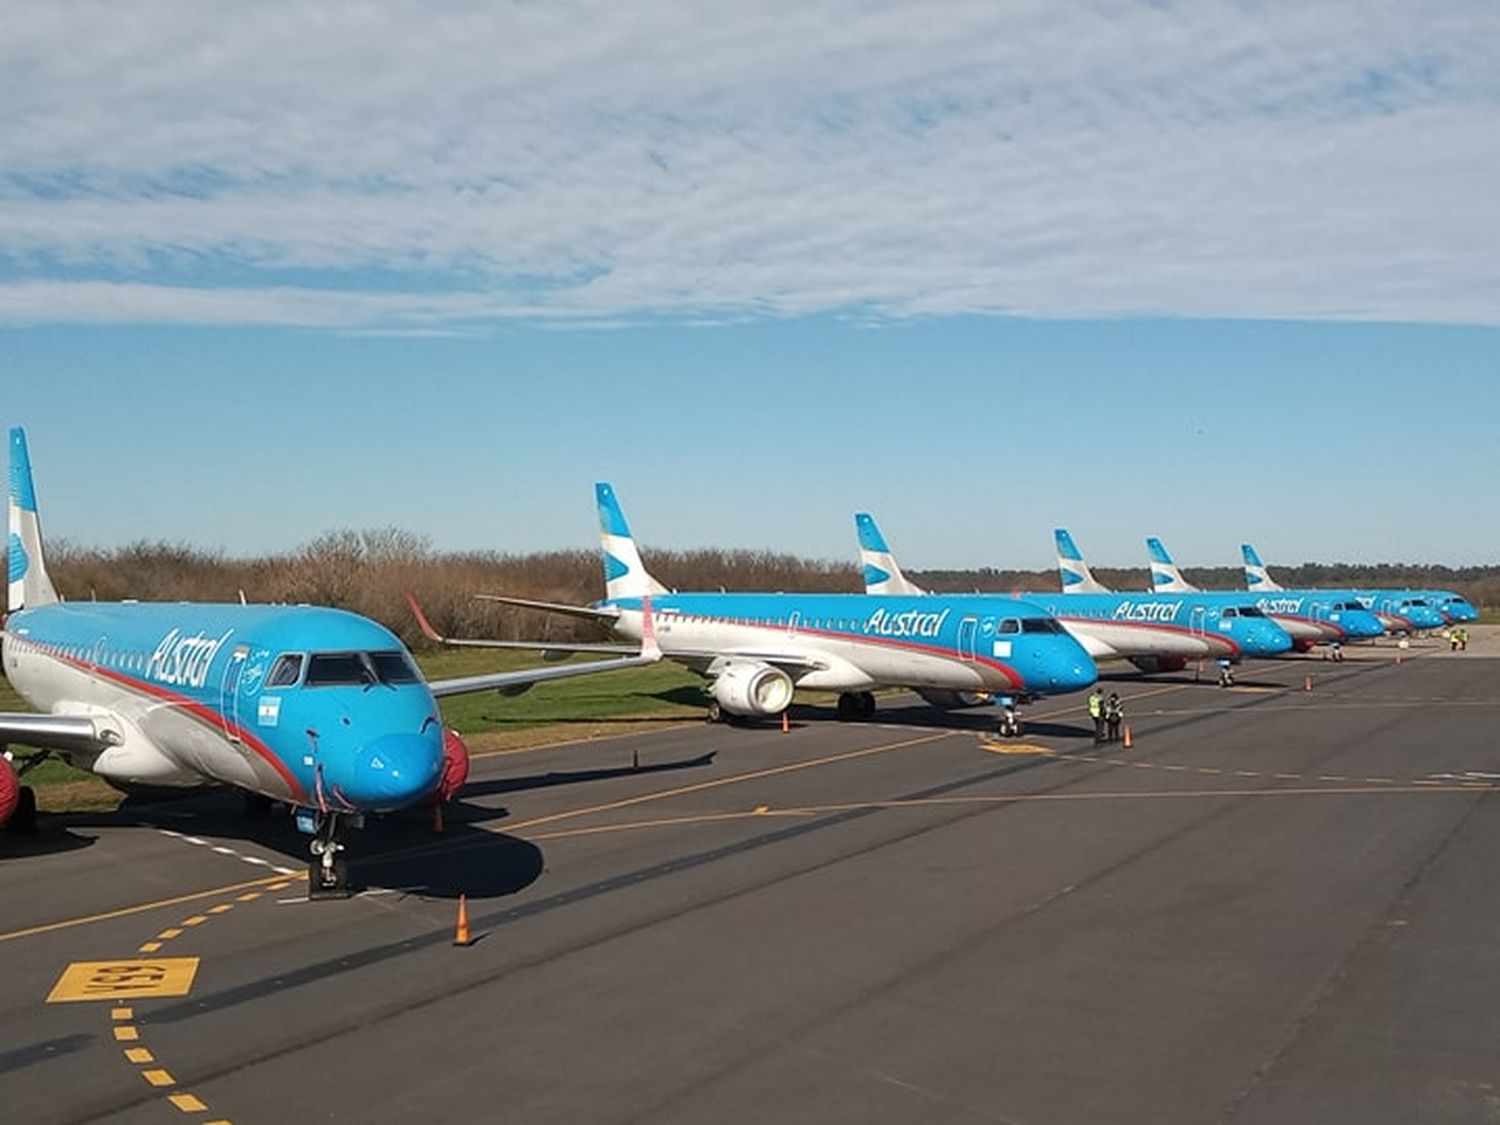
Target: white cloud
[[408, 166]]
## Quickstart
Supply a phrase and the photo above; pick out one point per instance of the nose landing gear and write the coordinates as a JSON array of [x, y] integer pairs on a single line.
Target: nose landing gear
[[327, 870]]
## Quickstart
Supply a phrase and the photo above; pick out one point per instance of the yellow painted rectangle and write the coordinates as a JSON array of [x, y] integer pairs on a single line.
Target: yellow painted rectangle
[[195, 920], [248, 896], [159, 1077], [126, 1035], [223, 906], [168, 935], [149, 947], [122, 1013], [139, 1055], [125, 979], [187, 1103]]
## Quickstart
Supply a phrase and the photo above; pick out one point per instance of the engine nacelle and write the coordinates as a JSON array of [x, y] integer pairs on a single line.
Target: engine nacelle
[[455, 767], [952, 700], [1150, 664], [10, 790], [746, 687]]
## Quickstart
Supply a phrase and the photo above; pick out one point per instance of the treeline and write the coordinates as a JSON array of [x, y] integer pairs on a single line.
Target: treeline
[[371, 571]]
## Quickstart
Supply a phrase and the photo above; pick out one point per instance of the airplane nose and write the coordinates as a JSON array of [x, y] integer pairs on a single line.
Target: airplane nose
[[1268, 639], [1070, 671], [393, 770]]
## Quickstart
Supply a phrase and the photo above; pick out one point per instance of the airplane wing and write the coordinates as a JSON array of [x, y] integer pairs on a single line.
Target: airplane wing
[[518, 681], [57, 732], [593, 613], [549, 649]]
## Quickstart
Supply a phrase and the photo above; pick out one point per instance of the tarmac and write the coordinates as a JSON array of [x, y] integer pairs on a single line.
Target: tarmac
[[1278, 905]]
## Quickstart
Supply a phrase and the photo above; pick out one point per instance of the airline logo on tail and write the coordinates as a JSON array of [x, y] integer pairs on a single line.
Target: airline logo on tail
[[625, 576], [1165, 577], [882, 573], [1257, 577], [27, 574], [1072, 571]]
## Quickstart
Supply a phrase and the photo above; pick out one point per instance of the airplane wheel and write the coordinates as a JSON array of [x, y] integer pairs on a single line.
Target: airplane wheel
[[332, 882], [867, 705], [715, 712], [849, 706], [23, 819]]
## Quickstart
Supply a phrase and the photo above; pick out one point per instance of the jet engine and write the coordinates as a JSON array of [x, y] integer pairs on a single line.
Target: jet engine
[[1150, 664], [745, 687], [455, 766]]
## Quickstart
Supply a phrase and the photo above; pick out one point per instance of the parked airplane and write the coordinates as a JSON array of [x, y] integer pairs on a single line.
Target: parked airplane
[[756, 649], [1398, 611], [1155, 634], [1310, 617], [319, 708]]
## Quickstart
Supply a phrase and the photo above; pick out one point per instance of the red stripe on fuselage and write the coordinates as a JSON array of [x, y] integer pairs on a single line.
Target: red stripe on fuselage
[[215, 719]]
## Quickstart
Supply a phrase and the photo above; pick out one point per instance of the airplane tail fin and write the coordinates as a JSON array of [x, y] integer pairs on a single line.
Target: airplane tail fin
[[625, 576], [1076, 576], [882, 572], [1256, 576], [29, 584], [1165, 577]]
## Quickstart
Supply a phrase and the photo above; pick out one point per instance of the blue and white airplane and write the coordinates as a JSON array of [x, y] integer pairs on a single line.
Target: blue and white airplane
[[1310, 617], [1398, 611], [1155, 634], [756, 649], [318, 708]]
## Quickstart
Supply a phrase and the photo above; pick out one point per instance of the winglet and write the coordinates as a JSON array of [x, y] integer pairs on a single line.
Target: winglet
[[29, 585], [650, 650], [422, 623]]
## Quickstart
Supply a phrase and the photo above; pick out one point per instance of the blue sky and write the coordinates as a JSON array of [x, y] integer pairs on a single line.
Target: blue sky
[[1210, 271]]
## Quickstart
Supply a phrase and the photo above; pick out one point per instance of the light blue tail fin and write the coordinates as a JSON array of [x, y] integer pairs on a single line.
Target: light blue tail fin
[[882, 572], [1075, 574], [29, 584], [625, 576], [1257, 578], [1165, 577]]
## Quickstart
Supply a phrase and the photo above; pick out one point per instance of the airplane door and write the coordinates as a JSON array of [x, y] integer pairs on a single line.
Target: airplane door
[[1198, 622], [229, 692], [791, 623], [968, 633]]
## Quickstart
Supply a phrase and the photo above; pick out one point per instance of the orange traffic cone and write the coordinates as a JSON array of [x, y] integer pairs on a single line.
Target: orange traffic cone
[[1307, 683], [786, 724], [461, 931], [1126, 743]]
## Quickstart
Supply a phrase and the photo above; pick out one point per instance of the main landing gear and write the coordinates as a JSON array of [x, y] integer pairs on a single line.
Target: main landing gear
[[856, 705], [328, 870]]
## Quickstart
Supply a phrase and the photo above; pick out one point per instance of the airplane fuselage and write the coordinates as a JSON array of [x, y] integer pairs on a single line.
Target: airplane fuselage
[[856, 642], [315, 707], [1174, 626]]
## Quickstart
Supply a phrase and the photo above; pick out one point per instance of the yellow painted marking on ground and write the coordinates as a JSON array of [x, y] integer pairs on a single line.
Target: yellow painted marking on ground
[[119, 980], [995, 746], [139, 1055], [1382, 780], [1208, 769], [248, 896], [187, 1103], [761, 810], [159, 1077], [169, 934], [139, 908], [280, 886], [126, 1035], [221, 908], [122, 1013], [663, 822], [1248, 690], [148, 947], [195, 920]]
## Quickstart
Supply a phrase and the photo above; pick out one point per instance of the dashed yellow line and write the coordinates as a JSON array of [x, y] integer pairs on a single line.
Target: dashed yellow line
[[148, 947], [126, 1034], [139, 1055], [187, 1103], [159, 1077], [195, 920]]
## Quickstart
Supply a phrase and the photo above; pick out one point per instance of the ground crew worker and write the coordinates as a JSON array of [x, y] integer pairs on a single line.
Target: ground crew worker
[[1463, 639], [1453, 639], [1096, 712], [1114, 715]]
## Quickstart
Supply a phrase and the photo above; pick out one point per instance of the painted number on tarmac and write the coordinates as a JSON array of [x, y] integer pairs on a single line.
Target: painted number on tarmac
[[124, 980]]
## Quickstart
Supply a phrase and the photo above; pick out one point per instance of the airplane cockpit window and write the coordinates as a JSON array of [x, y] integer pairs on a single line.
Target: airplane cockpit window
[[361, 668], [1040, 625], [1230, 611], [286, 671], [1009, 625], [1251, 611]]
